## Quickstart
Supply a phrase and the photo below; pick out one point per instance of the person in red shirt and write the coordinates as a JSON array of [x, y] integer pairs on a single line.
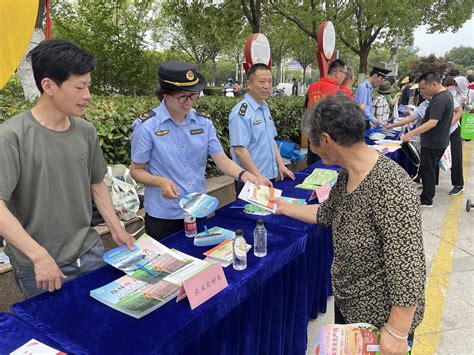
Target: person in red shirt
[[327, 86], [346, 85]]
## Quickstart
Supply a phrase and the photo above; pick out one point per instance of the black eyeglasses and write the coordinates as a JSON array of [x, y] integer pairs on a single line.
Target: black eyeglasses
[[185, 98]]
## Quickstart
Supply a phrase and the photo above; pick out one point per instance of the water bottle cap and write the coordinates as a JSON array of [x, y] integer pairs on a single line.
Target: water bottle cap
[[239, 232], [260, 222]]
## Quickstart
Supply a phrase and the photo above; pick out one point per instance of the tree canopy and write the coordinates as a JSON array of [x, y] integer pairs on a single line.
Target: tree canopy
[[116, 33], [361, 23]]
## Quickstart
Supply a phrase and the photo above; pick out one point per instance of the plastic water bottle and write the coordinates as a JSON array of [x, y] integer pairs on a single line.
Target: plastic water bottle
[[239, 248], [260, 239], [190, 225]]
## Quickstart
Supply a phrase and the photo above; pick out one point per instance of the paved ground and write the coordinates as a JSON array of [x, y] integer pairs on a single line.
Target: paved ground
[[448, 233]]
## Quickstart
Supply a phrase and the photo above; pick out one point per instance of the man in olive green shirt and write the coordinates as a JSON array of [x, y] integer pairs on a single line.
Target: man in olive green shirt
[[51, 165]]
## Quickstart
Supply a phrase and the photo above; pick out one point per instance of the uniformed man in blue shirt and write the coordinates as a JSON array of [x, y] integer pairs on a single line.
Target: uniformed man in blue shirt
[[170, 146], [363, 94], [252, 131]]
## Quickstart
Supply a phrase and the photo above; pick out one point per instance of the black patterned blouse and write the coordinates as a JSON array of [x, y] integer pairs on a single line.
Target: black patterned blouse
[[379, 258]]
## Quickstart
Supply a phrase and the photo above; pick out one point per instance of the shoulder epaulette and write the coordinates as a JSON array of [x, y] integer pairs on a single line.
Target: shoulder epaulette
[[243, 109], [146, 116], [203, 115]]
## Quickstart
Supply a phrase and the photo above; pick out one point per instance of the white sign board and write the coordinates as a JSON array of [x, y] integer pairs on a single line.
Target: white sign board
[[260, 49], [329, 40]]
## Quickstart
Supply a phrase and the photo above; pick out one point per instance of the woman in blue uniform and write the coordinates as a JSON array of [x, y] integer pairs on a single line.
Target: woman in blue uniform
[[170, 147]]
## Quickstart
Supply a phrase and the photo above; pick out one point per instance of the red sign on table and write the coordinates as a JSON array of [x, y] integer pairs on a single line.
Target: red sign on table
[[322, 193], [203, 286]]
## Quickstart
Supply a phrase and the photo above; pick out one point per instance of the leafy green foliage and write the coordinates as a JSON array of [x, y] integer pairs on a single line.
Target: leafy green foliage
[[360, 24], [461, 55], [115, 32], [113, 115], [430, 63], [213, 91], [12, 100]]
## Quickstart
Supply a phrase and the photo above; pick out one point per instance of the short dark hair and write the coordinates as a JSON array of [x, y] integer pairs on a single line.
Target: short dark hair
[[430, 77], [337, 116], [254, 68], [470, 78], [336, 64], [454, 73], [57, 60], [160, 92], [449, 81]]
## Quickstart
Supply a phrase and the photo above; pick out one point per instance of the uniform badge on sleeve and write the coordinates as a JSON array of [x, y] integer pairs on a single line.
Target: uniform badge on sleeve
[[243, 109], [257, 122], [163, 132]]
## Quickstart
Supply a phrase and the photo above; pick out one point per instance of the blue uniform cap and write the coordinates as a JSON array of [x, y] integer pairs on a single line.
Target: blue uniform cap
[[180, 76]]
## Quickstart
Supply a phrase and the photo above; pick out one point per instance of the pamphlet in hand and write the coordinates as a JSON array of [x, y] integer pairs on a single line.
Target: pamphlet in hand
[[319, 177], [349, 339], [154, 275], [198, 204], [260, 197]]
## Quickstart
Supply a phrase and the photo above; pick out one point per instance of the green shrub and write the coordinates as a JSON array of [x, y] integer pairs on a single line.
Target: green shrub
[[213, 91], [113, 115], [12, 100]]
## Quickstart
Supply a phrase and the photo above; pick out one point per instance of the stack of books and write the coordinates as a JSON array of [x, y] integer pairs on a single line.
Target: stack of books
[[222, 253]]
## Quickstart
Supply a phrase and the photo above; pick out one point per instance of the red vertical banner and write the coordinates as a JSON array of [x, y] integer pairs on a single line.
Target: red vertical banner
[[48, 21]]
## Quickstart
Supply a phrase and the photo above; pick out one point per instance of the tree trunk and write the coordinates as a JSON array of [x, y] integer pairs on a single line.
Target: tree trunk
[[278, 72], [304, 74], [256, 27], [363, 64], [214, 72], [24, 70]]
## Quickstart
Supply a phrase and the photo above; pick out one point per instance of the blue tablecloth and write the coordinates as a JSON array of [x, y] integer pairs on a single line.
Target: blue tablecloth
[[265, 309], [14, 333], [318, 253], [399, 156]]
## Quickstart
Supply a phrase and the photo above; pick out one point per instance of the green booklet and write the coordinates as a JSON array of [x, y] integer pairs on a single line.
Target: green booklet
[[319, 177], [154, 274]]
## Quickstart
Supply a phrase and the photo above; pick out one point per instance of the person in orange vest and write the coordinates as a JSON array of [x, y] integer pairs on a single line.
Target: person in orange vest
[[327, 86]]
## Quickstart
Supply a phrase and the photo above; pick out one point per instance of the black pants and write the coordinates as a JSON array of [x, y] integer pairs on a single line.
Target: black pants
[[311, 158], [159, 228], [457, 178], [339, 319], [428, 171], [367, 125], [239, 185]]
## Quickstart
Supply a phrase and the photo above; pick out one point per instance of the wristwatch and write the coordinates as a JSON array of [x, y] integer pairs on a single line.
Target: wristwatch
[[240, 175]]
